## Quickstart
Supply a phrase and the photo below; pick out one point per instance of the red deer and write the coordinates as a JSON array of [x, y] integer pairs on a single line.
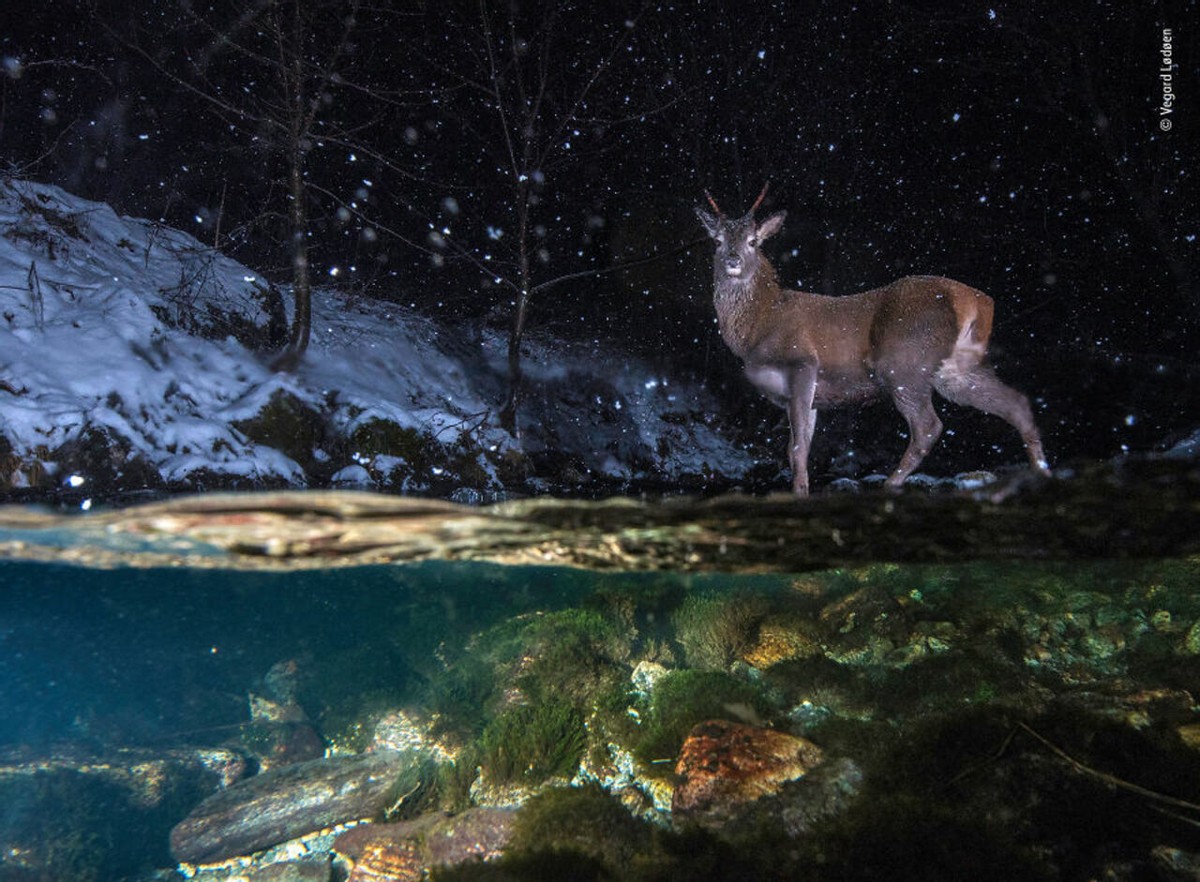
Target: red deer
[[806, 352]]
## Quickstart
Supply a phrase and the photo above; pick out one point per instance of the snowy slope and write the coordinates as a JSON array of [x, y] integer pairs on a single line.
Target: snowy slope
[[131, 356]]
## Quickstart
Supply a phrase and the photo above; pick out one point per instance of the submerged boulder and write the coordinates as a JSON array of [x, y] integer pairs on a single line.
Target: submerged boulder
[[724, 765], [286, 802], [409, 849], [77, 813]]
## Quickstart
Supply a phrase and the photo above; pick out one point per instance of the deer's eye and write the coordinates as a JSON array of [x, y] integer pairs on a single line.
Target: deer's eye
[[752, 242]]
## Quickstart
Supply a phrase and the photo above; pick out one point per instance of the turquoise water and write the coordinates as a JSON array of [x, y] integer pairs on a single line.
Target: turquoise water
[[975, 716], [138, 656]]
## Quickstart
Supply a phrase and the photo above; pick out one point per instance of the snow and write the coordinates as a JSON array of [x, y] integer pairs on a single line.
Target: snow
[[1188, 448], [125, 326]]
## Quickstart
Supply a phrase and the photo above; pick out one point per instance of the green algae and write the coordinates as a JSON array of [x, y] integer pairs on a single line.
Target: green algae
[[531, 671], [714, 630], [530, 744], [681, 699], [583, 820]]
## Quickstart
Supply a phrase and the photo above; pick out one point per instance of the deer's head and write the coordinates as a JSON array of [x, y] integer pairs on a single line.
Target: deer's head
[[738, 239]]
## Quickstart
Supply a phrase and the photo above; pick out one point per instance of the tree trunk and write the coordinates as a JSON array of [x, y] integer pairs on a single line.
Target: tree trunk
[[508, 412], [291, 357]]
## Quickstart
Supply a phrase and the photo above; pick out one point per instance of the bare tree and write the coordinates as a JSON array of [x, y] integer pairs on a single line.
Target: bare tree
[[268, 71], [527, 89]]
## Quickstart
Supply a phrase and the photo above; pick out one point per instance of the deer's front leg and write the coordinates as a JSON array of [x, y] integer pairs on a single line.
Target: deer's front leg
[[802, 384]]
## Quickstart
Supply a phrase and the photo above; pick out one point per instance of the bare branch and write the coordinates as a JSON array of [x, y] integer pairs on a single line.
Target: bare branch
[[617, 267], [496, 93]]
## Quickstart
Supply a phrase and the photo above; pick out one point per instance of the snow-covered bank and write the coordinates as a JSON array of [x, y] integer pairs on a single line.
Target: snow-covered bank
[[131, 357]]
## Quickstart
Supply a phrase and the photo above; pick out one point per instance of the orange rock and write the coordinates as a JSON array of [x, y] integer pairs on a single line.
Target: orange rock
[[779, 640], [388, 862], [1190, 735], [723, 763], [403, 851]]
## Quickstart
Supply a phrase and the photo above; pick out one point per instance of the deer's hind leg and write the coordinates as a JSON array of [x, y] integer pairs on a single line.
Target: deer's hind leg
[[915, 404], [906, 359], [978, 386]]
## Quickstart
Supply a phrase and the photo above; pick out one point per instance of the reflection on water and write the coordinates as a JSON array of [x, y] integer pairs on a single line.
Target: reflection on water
[[1017, 720]]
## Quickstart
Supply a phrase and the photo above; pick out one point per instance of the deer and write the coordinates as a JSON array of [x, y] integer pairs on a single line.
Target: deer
[[808, 352]]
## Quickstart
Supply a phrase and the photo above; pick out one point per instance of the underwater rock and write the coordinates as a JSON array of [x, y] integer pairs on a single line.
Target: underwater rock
[[282, 744], [724, 765], [484, 791], [870, 608], [388, 862], [352, 844], [825, 792], [1189, 734], [618, 772], [291, 871], [406, 730], [146, 775], [283, 682], [407, 850], [1191, 641], [1175, 864], [1123, 701], [926, 639], [279, 732], [286, 802], [265, 710], [645, 675], [77, 814], [781, 638], [476, 834], [865, 627]]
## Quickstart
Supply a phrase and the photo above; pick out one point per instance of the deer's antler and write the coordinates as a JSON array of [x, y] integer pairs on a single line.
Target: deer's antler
[[761, 197], [713, 203]]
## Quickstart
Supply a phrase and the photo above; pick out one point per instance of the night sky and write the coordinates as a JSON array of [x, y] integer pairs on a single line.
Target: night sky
[[1020, 148]]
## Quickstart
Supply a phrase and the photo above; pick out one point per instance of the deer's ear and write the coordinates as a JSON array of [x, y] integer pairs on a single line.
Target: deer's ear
[[770, 226], [711, 224]]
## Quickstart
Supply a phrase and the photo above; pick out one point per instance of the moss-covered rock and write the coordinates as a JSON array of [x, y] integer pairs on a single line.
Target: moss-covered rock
[[682, 699], [530, 744], [106, 462], [458, 697], [380, 437], [903, 837], [714, 630], [782, 637], [405, 459], [95, 825], [581, 820], [573, 654], [290, 426]]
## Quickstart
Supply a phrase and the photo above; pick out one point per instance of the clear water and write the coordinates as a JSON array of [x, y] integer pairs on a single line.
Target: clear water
[[921, 676]]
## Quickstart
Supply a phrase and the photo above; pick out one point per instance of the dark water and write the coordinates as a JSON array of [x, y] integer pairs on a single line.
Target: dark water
[[961, 694]]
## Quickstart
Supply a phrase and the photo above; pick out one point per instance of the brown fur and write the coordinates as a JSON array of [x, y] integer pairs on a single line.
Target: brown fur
[[904, 340]]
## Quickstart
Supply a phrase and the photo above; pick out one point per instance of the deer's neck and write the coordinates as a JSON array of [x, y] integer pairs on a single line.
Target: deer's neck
[[743, 305]]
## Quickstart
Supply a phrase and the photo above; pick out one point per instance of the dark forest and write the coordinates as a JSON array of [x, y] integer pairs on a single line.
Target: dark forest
[[535, 166]]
